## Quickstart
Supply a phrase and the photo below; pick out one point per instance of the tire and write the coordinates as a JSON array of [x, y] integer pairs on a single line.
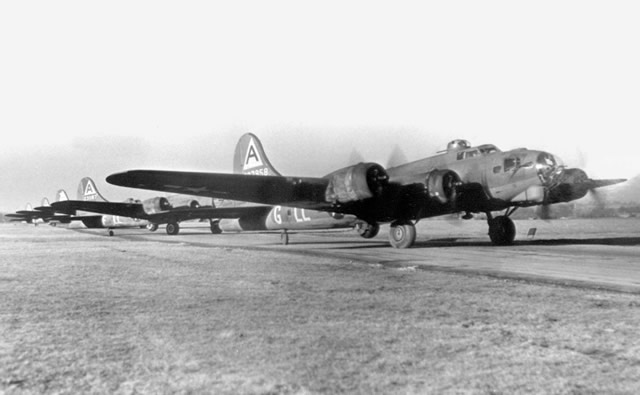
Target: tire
[[502, 231], [173, 228], [402, 235], [367, 230], [215, 227], [152, 227], [284, 238]]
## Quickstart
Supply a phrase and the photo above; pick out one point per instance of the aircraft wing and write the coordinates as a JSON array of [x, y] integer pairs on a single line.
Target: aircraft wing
[[109, 208], [184, 214], [302, 192], [135, 210]]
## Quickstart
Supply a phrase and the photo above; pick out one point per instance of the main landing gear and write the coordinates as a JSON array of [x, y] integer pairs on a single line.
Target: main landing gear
[[502, 230], [367, 230], [214, 225], [402, 234], [173, 228], [152, 227]]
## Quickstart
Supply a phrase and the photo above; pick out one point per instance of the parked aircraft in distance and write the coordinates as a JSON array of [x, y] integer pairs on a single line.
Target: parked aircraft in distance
[[97, 212], [462, 179], [251, 159], [43, 213]]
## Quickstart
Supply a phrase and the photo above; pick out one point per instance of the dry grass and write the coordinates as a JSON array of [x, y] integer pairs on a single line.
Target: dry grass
[[87, 314]]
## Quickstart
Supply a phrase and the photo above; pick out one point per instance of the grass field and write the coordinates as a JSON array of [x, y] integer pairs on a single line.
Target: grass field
[[87, 314]]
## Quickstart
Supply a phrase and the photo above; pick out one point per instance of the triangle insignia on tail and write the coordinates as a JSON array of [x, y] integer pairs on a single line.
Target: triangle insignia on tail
[[252, 159], [90, 191]]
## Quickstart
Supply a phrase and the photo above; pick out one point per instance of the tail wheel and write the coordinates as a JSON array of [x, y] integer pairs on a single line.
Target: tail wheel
[[402, 234], [284, 237], [173, 228], [502, 230], [367, 230], [215, 227], [110, 232], [152, 227]]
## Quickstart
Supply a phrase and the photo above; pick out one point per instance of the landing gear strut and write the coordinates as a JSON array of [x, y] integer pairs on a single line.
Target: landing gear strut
[[173, 228], [402, 234], [284, 237], [502, 230]]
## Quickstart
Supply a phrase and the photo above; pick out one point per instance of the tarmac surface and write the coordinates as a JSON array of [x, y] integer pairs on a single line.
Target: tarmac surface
[[602, 253], [142, 312]]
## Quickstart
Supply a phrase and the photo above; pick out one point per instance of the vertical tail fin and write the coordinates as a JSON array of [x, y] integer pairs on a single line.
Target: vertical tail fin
[[61, 196], [45, 202], [87, 191], [250, 158]]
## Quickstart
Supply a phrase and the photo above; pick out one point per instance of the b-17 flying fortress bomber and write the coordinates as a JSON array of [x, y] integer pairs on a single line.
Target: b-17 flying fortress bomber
[[462, 179]]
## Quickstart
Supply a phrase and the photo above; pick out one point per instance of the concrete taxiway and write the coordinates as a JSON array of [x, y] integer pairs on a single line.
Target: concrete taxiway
[[590, 253]]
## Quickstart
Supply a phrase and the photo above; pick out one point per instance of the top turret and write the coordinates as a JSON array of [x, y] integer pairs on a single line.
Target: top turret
[[458, 145]]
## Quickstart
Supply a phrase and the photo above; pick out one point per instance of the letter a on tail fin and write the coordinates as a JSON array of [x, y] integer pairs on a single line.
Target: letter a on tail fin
[[61, 196], [250, 158], [87, 191]]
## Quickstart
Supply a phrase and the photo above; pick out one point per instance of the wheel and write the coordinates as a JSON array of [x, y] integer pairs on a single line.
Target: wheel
[[110, 232], [215, 227], [173, 228], [284, 238], [152, 227], [402, 234], [367, 230], [502, 231]]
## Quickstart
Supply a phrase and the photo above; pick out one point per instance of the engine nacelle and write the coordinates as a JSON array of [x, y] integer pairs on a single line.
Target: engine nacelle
[[179, 201], [354, 183], [156, 205], [441, 185]]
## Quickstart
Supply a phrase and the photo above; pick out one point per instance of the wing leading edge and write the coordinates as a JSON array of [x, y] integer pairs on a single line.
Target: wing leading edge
[[302, 192]]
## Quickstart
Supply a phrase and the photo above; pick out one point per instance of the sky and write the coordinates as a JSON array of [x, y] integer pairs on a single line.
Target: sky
[[94, 88]]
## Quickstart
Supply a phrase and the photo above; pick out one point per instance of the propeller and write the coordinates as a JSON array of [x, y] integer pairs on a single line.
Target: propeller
[[355, 157], [397, 157]]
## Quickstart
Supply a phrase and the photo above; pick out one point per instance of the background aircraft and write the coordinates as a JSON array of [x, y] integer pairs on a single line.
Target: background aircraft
[[43, 213], [132, 213], [464, 179]]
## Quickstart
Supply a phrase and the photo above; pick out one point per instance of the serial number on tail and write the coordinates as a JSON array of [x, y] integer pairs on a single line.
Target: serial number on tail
[[258, 172]]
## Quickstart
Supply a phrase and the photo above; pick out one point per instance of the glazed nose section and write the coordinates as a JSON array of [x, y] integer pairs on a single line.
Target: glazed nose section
[[550, 169]]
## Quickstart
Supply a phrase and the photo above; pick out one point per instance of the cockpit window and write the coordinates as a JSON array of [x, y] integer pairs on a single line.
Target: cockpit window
[[511, 163], [471, 154], [488, 149], [468, 154]]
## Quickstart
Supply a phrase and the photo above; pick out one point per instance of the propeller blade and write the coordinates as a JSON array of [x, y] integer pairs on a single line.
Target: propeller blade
[[397, 157], [592, 184], [355, 157], [545, 212]]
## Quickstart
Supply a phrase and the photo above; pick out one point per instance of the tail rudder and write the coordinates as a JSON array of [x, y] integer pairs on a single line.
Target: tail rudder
[[87, 191], [61, 196], [250, 158]]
